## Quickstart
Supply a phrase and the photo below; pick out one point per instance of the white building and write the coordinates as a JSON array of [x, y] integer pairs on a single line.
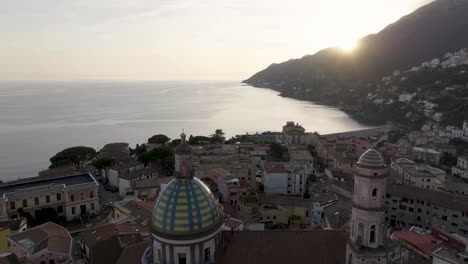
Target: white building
[[461, 170], [421, 175], [231, 188], [405, 98], [126, 180], [124, 167], [465, 131], [455, 132], [275, 178], [427, 155]]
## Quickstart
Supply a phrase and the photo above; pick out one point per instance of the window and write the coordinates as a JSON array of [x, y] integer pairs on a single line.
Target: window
[[73, 210], [51, 261], [36, 200], [91, 194], [59, 209], [307, 213], [92, 206], [159, 255], [12, 205], [372, 234], [47, 198], [360, 234], [25, 203], [182, 258], [274, 217], [72, 197], [207, 255], [14, 216], [374, 193], [81, 196]]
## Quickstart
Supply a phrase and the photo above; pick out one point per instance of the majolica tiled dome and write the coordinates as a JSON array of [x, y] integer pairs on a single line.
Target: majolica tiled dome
[[371, 159], [185, 207]]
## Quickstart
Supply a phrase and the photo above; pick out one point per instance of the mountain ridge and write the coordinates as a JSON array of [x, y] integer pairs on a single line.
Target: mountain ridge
[[429, 32]]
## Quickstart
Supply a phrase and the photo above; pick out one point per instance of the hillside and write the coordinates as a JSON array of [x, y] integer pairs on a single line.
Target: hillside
[[434, 92], [427, 33]]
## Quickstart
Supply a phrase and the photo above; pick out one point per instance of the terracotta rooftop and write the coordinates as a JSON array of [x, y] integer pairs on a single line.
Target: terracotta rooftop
[[421, 242], [133, 254], [437, 198], [141, 212], [48, 236], [274, 167], [129, 163], [139, 173], [151, 182], [301, 154], [232, 223], [108, 242], [312, 246]]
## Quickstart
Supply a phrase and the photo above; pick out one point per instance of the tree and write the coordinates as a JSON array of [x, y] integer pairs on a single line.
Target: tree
[[195, 140], [278, 152], [162, 157], [158, 139], [45, 215], [175, 142], [448, 160], [138, 149], [26, 215], [104, 164], [218, 137], [75, 156]]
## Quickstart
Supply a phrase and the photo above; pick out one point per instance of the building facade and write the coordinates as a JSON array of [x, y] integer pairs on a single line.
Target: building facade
[[70, 196], [461, 170], [419, 174]]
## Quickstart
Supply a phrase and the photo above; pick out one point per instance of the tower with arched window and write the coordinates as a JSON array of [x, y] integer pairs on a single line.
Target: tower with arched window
[[367, 228]]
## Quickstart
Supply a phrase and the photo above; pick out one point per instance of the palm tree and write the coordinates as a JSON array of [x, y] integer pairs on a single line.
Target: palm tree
[[104, 164]]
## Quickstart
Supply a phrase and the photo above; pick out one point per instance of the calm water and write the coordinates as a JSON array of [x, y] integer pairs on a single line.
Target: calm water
[[38, 119]]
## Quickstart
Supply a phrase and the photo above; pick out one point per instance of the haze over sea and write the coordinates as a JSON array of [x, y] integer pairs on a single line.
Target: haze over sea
[[38, 119]]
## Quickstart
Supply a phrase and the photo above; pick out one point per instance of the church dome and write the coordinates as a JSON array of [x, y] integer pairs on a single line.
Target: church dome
[[371, 159], [185, 207]]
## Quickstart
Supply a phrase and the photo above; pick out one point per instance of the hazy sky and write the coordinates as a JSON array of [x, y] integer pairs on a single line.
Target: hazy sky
[[177, 39]]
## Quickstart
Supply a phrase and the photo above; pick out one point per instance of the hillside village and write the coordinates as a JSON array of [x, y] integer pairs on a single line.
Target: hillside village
[[290, 180], [430, 93]]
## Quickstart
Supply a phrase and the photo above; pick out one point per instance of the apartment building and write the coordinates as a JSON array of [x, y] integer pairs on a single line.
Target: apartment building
[[70, 195]]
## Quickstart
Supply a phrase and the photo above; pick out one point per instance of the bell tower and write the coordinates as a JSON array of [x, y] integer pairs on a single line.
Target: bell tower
[[368, 232], [183, 159]]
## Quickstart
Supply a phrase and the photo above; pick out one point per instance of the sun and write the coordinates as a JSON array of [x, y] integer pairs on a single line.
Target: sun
[[348, 45]]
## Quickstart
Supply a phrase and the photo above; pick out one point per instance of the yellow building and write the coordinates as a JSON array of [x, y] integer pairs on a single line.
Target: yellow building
[[4, 233], [10, 227]]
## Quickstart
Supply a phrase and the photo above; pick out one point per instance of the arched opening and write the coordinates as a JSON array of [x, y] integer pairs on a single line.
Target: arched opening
[[374, 193], [372, 234]]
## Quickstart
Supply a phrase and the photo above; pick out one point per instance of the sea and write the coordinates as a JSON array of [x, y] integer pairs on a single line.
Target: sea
[[38, 118]]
